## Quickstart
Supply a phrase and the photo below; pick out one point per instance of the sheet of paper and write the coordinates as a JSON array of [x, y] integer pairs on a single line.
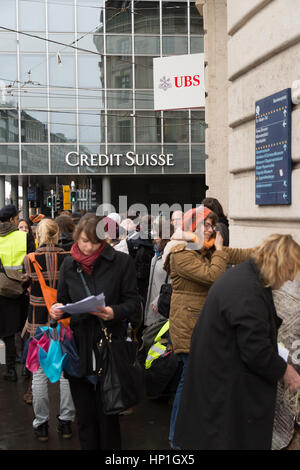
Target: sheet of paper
[[283, 352], [89, 304]]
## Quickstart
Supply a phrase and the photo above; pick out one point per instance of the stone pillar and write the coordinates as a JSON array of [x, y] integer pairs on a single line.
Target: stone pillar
[[106, 190], [14, 191], [2, 191]]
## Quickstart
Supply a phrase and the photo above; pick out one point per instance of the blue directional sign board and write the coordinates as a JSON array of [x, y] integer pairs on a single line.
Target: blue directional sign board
[[273, 149]]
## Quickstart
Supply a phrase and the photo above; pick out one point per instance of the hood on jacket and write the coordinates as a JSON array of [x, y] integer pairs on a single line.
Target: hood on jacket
[[6, 228]]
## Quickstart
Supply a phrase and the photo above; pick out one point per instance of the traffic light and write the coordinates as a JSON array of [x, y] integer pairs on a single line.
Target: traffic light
[[54, 201], [49, 201], [73, 197]]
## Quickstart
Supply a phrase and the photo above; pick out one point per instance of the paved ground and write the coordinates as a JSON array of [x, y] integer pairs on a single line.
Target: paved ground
[[146, 429]]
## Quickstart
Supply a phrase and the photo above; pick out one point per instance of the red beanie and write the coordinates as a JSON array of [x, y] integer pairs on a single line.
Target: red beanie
[[193, 217]]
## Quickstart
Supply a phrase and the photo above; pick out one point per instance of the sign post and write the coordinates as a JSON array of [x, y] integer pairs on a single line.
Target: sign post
[[273, 149]]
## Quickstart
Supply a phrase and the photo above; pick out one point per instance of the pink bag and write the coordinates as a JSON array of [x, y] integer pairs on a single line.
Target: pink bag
[[32, 360]]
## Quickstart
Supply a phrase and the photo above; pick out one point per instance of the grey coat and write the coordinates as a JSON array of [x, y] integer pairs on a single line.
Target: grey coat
[[156, 279]]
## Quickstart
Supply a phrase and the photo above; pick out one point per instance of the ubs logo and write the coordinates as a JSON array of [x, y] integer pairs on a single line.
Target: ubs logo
[[183, 81], [165, 84]]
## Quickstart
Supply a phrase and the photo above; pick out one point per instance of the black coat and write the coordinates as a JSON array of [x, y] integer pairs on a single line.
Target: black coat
[[114, 275], [229, 390]]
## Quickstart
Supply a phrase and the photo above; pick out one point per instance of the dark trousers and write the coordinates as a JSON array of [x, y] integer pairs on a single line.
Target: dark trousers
[[10, 351], [96, 430]]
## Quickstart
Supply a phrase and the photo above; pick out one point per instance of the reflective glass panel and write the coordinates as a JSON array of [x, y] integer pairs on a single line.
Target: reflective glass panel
[[144, 99], [35, 158], [62, 74], [8, 67], [61, 16], [34, 126], [90, 15], [146, 17], [61, 38], [58, 159], [119, 72], [174, 45], [62, 98], [36, 65], [119, 127], [30, 44], [146, 45], [33, 97], [196, 21], [118, 45], [174, 18], [151, 154], [198, 126], [180, 158], [90, 42], [119, 99], [8, 42], [32, 16], [197, 44], [143, 72], [118, 17], [90, 71], [120, 150], [176, 126], [198, 158], [91, 127], [9, 128], [9, 159], [8, 13], [91, 99], [148, 127], [93, 150], [8, 95], [63, 127]]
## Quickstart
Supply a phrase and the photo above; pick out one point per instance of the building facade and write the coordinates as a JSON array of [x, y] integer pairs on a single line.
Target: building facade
[[77, 79]]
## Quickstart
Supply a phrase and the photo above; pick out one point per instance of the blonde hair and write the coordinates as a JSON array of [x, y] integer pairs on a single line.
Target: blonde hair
[[47, 232], [273, 255]]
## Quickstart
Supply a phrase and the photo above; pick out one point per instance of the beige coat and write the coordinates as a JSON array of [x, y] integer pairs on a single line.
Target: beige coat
[[192, 273]]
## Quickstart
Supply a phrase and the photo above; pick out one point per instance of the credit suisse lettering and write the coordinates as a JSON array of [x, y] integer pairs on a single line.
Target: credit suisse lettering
[[115, 159], [187, 81]]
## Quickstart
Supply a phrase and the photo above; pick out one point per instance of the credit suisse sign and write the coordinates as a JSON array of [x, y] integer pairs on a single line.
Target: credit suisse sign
[[179, 82]]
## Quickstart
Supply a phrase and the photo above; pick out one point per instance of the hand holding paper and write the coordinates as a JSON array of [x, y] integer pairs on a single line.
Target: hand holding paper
[[87, 305]]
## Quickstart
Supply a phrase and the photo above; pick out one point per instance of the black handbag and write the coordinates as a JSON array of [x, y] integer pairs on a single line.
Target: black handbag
[[164, 299], [121, 377]]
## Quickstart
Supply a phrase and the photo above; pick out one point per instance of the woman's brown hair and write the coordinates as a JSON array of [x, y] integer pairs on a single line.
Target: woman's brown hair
[[88, 223]]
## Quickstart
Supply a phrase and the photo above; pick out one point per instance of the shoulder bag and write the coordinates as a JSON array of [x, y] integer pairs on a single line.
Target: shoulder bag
[[11, 282], [49, 294], [164, 299], [121, 377]]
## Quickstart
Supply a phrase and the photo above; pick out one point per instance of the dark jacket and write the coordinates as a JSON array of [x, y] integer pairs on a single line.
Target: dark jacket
[[114, 275], [228, 397]]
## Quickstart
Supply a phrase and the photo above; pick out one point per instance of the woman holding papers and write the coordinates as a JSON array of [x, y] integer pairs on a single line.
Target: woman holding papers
[[112, 273], [50, 257]]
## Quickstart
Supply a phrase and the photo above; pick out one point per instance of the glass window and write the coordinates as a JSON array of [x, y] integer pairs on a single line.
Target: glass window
[[9, 128], [146, 17], [8, 13], [90, 42], [33, 68], [118, 17], [62, 74], [8, 67], [61, 16], [33, 97], [146, 45], [119, 72], [154, 150], [62, 98], [88, 150], [9, 159], [35, 158], [148, 127], [196, 21], [197, 44], [198, 158], [91, 127], [90, 16], [8, 42], [63, 127], [64, 39], [119, 99], [32, 16], [198, 126], [174, 18], [143, 72], [8, 96], [119, 127], [91, 99], [120, 150], [144, 99], [90, 71], [176, 126], [34, 126], [180, 158], [58, 159], [174, 45], [29, 44], [118, 45]]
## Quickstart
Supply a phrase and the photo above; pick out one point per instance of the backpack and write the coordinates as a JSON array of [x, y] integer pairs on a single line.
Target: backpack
[[142, 255]]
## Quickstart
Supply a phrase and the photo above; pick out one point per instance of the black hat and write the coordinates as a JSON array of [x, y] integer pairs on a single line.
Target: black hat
[[7, 212]]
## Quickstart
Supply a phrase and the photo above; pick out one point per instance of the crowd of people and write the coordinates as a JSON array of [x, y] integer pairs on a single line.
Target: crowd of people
[[216, 345]]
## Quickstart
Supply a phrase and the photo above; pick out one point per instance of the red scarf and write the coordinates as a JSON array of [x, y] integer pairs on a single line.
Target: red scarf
[[86, 262]]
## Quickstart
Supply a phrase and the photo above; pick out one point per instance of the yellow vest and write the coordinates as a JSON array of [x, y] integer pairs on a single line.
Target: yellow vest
[[157, 349], [13, 249]]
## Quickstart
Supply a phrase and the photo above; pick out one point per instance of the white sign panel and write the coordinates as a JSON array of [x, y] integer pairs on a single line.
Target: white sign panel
[[179, 82]]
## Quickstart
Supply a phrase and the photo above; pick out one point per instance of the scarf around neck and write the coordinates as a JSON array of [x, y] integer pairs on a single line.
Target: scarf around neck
[[86, 261]]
